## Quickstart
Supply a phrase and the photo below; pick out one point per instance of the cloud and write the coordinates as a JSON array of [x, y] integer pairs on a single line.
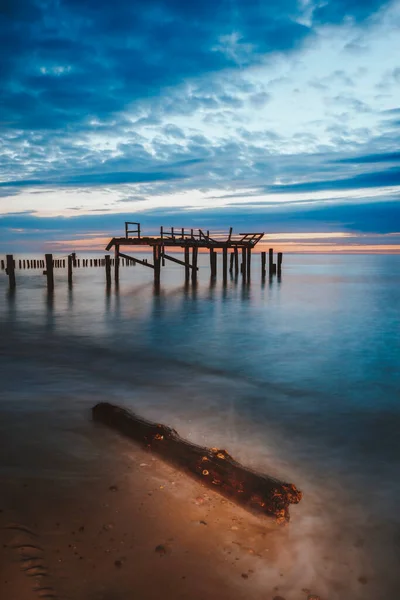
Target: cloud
[[390, 177], [372, 158], [101, 57]]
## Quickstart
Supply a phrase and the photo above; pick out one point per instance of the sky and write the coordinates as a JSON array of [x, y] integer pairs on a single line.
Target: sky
[[281, 117]]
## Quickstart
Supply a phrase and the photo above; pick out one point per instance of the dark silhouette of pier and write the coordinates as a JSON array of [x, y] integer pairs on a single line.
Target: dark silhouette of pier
[[235, 246]]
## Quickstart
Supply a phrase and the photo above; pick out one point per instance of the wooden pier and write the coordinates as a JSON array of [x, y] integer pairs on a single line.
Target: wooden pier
[[190, 241], [236, 251]]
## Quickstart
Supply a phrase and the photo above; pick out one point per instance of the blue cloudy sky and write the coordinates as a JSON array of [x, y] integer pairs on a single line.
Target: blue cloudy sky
[[276, 116]]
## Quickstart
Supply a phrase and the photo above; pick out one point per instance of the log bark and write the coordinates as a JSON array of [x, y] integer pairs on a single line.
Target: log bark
[[214, 467]]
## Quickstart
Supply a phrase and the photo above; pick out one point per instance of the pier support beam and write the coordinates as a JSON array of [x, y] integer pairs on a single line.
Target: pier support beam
[[225, 264], [195, 251], [116, 264], [244, 263], [248, 256], [187, 263], [49, 272], [213, 262], [236, 252], [108, 269], [10, 270], [157, 263]]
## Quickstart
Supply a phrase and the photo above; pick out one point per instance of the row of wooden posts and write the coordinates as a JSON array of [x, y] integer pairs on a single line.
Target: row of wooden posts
[[49, 264]]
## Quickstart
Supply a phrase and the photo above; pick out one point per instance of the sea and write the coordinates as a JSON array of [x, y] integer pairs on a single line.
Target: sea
[[298, 377]]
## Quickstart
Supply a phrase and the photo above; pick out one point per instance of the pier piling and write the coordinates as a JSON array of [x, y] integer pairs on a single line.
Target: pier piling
[[108, 269], [271, 261], [10, 270], [225, 264], [49, 271], [279, 264], [69, 260], [263, 264], [187, 263]]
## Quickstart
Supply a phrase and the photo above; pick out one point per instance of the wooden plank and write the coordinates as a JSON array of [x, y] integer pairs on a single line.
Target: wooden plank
[[213, 467], [176, 260], [136, 260]]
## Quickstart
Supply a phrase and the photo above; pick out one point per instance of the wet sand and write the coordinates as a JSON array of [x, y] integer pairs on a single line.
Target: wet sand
[[123, 525]]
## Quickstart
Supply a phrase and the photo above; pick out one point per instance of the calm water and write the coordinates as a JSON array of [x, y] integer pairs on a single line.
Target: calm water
[[299, 377]]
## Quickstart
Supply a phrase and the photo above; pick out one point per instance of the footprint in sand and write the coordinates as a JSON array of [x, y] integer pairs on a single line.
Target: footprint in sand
[[24, 543]]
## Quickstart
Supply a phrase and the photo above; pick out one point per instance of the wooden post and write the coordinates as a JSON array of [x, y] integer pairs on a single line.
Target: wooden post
[[274, 269], [232, 256], [69, 270], [116, 264], [194, 264], [236, 252], [212, 262], [248, 263], [271, 261], [2, 265], [244, 263], [187, 262], [157, 263], [108, 270], [225, 263], [19, 263], [213, 258], [263, 263], [279, 264], [49, 271], [10, 270]]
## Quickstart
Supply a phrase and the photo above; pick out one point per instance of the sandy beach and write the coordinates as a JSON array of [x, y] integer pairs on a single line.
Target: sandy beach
[[125, 525]]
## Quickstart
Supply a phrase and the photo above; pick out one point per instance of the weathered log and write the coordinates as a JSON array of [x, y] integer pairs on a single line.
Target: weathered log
[[214, 467]]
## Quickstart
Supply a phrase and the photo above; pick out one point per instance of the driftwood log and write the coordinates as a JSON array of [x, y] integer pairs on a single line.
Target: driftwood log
[[215, 468]]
